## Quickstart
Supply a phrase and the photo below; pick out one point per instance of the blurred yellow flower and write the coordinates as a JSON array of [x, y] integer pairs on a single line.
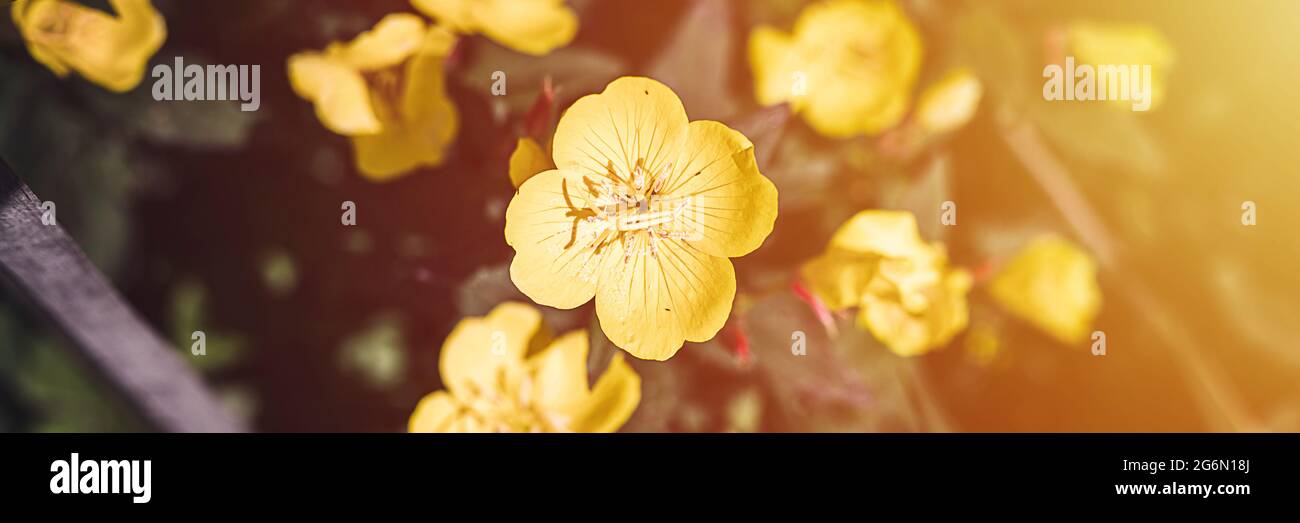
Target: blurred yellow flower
[[503, 373], [528, 160], [950, 103], [906, 294], [385, 90], [643, 212], [1127, 44], [848, 68], [1052, 284], [108, 49], [535, 27]]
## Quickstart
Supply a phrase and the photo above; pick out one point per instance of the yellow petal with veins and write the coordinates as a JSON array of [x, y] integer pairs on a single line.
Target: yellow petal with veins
[[650, 305], [634, 120], [546, 224], [730, 207]]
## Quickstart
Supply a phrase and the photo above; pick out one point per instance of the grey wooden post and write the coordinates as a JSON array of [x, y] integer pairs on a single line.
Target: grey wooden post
[[50, 273]]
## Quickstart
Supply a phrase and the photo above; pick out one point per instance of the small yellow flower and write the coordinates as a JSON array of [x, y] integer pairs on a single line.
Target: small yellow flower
[[528, 160], [1052, 284], [385, 90], [950, 103], [643, 212], [503, 373], [1124, 44], [109, 50], [906, 294], [535, 27], [848, 68]]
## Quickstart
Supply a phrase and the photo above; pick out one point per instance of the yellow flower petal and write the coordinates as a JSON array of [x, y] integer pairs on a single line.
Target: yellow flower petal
[[774, 67], [560, 373], [436, 412], [545, 225], [839, 277], [886, 233], [452, 13], [633, 121], [732, 206], [650, 305], [908, 297], [612, 400], [848, 67], [950, 103], [913, 277], [534, 27], [911, 333], [527, 160], [530, 26], [394, 39], [339, 93], [108, 49], [482, 352], [1052, 284]]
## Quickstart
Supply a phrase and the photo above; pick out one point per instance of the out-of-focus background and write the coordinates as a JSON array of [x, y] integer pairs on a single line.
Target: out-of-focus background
[[208, 218]]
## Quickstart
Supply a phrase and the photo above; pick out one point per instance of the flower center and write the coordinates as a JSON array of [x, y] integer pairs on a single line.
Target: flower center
[[636, 211], [387, 86], [510, 407]]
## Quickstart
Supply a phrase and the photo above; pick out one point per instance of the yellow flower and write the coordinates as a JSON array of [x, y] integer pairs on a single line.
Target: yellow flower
[[643, 212], [1052, 284], [535, 27], [947, 105], [1124, 44], [528, 160], [849, 67], [907, 296], [109, 50], [385, 90], [503, 373]]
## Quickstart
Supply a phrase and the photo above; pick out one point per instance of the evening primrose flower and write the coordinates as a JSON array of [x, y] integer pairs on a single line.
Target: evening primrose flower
[[642, 213], [108, 49], [1052, 284], [848, 67], [906, 294], [1136, 44], [503, 373], [385, 90], [534, 27]]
